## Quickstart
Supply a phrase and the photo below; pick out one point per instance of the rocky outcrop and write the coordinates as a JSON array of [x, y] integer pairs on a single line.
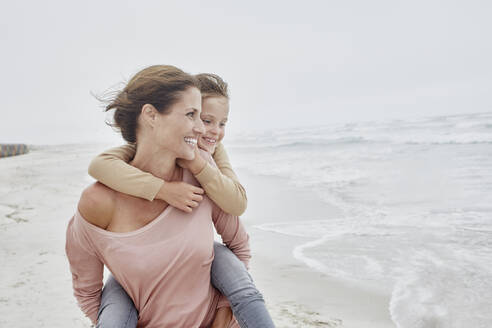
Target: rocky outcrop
[[12, 149]]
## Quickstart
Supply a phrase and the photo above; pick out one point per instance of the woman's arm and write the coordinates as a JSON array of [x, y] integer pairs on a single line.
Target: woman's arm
[[112, 169], [236, 238], [87, 271], [222, 185], [96, 205], [233, 233]]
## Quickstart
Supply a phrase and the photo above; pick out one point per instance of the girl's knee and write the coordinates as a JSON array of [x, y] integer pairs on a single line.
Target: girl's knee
[[225, 259], [117, 308]]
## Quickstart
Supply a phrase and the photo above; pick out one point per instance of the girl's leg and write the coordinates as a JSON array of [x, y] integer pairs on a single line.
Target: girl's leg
[[230, 277], [117, 309]]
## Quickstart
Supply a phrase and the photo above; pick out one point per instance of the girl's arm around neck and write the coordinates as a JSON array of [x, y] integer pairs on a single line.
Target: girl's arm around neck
[[222, 185], [112, 169]]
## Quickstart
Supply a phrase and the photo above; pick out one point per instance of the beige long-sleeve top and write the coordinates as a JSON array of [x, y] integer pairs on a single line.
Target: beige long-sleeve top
[[220, 183], [168, 276]]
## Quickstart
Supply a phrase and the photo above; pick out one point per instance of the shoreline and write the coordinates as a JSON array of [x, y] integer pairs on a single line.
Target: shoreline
[[291, 288]]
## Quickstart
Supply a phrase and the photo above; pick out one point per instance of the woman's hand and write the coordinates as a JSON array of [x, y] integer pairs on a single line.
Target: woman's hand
[[195, 165], [181, 195], [222, 318]]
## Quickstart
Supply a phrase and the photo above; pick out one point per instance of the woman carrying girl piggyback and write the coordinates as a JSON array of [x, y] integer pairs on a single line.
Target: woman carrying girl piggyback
[[219, 182]]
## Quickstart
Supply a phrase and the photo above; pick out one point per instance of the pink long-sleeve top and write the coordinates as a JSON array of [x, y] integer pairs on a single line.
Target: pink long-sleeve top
[[164, 266]]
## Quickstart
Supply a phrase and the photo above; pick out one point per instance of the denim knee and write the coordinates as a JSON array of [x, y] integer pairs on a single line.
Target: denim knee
[[231, 278], [117, 309]]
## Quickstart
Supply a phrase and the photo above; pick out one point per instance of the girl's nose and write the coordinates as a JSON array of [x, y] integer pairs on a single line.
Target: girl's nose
[[214, 130]]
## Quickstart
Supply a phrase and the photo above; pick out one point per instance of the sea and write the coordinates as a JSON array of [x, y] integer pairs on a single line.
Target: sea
[[416, 203]]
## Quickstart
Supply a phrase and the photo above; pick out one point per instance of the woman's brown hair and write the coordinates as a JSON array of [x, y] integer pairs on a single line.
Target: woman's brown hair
[[212, 85], [158, 85]]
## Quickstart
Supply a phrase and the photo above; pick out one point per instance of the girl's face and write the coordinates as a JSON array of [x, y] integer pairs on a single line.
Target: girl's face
[[215, 111]]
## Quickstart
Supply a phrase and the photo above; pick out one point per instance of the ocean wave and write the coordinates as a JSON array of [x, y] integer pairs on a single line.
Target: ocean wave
[[433, 291], [415, 304], [297, 143], [323, 142], [450, 141], [429, 286], [391, 139], [443, 130]]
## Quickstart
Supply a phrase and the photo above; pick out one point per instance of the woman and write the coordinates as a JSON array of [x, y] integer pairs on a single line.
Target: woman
[[170, 251], [221, 185]]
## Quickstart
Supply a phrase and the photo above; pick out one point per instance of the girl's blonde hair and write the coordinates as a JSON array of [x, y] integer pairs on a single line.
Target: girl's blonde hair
[[212, 85]]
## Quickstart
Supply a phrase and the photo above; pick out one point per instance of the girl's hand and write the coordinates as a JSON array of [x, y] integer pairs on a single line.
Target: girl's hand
[[195, 165], [222, 318], [181, 195]]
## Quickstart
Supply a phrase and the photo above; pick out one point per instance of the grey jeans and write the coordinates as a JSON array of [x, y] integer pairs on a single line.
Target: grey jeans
[[228, 275]]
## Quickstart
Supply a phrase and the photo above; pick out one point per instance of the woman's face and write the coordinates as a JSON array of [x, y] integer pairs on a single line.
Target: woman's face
[[178, 130], [215, 111]]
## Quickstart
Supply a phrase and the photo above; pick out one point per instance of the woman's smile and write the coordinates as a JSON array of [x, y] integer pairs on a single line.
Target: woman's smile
[[192, 141]]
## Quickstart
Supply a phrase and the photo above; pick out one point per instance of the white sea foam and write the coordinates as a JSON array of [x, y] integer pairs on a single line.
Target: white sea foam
[[464, 129], [415, 200]]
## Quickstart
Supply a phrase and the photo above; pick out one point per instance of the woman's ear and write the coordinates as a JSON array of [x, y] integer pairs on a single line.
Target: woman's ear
[[149, 115]]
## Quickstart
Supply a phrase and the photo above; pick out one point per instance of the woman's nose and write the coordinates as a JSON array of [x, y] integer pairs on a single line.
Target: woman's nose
[[199, 127]]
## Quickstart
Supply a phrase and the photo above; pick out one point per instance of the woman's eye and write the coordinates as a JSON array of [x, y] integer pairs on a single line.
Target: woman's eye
[[190, 114], [206, 121], [222, 125]]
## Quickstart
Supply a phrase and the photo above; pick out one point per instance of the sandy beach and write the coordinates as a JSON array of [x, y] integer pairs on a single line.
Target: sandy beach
[[39, 192]]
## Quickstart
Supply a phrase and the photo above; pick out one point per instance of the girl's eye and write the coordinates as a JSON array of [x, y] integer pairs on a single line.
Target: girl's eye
[[190, 114], [207, 121], [222, 125]]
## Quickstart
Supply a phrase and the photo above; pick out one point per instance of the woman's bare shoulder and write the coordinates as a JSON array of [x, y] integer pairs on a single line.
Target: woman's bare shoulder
[[97, 204]]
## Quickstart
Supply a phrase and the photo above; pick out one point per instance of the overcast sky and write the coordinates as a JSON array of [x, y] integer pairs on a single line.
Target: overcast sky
[[288, 63]]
